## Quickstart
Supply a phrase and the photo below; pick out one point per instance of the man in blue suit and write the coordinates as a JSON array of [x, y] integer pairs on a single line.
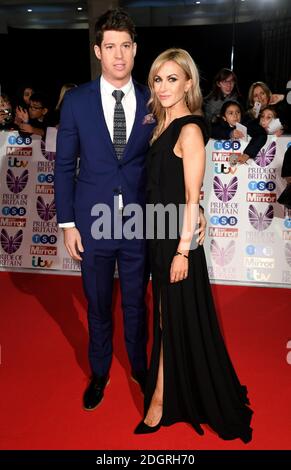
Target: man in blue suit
[[110, 131], [87, 129]]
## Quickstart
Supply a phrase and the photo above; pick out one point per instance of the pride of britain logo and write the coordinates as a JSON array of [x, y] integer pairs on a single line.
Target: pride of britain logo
[[50, 156], [266, 156], [225, 191], [261, 220], [11, 243], [16, 184], [222, 255], [46, 211]]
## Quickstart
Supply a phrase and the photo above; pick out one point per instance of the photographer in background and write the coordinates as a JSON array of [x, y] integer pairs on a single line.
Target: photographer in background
[[6, 114]]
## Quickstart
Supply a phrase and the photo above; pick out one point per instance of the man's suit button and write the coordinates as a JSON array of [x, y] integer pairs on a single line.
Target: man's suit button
[[120, 165]]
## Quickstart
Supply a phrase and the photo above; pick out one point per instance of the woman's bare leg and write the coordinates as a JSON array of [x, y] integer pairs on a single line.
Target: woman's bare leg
[[155, 410]]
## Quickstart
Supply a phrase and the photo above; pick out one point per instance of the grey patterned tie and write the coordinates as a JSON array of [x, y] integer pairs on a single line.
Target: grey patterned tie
[[119, 124]]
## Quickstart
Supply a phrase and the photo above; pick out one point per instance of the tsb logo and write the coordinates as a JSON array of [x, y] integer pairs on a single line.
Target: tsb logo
[[227, 145], [223, 220], [259, 250], [43, 178], [44, 239], [20, 211], [262, 185], [13, 139]]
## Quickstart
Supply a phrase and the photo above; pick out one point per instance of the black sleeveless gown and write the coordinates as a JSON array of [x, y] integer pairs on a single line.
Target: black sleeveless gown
[[200, 383]]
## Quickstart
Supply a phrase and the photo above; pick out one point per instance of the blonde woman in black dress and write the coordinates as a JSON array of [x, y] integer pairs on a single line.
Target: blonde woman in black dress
[[191, 377]]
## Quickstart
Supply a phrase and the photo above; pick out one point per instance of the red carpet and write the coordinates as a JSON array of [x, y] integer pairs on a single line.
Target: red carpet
[[44, 370]]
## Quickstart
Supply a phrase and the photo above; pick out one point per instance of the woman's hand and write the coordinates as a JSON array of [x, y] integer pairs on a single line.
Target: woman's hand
[[279, 132], [26, 128], [243, 158], [21, 115], [201, 231], [236, 134], [179, 268], [276, 99]]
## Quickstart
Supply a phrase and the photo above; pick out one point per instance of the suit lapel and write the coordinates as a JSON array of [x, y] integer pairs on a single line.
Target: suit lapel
[[98, 114], [141, 111]]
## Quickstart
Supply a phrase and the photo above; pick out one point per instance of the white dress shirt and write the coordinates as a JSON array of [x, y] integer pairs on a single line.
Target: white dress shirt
[[108, 104]]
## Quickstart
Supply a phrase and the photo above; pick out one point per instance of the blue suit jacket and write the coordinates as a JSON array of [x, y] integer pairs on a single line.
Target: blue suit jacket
[[83, 132]]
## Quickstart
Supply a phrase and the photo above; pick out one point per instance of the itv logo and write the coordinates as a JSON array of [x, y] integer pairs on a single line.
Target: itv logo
[[38, 262], [15, 162]]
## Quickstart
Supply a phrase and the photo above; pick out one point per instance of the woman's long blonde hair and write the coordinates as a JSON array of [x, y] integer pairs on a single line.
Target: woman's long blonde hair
[[193, 96], [66, 87]]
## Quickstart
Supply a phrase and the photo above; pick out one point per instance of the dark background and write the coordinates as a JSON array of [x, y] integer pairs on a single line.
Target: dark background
[[210, 47], [49, 58]]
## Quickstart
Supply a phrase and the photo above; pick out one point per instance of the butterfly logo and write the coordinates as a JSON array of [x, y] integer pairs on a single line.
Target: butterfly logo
[[50, 156], [45, 211], [288, 253], [266, 156], [16, 184], [225, 192], [261, 220], [222, 255], [10, 244]]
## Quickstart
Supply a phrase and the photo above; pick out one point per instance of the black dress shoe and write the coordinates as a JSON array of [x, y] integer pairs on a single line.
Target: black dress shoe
[[94, 392], [143, 428], [140, 378]]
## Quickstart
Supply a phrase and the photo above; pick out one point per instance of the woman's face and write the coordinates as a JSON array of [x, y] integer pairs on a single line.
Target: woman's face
[[232, 115], [260, 96], [171, 84], [27, 94], [266, 118], [2, 103], [226, 85]]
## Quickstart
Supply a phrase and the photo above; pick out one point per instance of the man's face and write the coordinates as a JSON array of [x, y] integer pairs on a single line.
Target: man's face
[[36, 110], [116, 54]]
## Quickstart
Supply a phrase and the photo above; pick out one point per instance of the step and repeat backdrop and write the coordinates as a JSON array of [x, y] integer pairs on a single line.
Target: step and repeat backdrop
[[29, 234], [248, 232]]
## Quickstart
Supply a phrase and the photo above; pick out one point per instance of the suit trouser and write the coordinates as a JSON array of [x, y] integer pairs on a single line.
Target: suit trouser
[[98, 267]]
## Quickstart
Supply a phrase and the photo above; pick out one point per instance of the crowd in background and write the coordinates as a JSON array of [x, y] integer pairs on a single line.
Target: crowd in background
[[228, 114], [263, 112], [30, 112]]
